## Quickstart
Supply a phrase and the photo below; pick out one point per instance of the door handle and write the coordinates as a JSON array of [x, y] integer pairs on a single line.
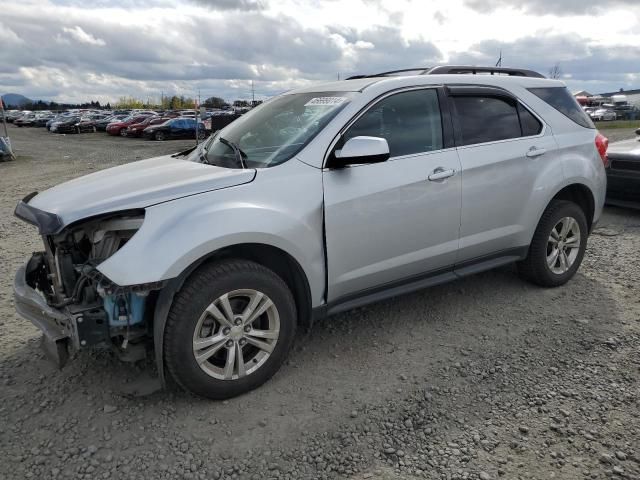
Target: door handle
[[536, 152], [440, 174]]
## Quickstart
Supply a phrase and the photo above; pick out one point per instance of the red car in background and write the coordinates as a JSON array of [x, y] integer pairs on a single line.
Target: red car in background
[[135, 129], [120, 127]]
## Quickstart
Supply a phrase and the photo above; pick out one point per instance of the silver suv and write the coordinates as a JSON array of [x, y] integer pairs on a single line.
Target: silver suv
[[320, 200]]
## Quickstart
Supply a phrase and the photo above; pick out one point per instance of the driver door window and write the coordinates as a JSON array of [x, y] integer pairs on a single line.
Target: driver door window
[[409, 121]]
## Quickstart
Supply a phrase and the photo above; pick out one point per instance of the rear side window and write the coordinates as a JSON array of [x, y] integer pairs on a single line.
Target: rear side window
[[409, 121], [486, 119], [530, 124], [560, 99]]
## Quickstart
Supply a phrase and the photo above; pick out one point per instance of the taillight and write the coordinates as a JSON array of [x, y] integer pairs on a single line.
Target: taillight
[[602, 143]]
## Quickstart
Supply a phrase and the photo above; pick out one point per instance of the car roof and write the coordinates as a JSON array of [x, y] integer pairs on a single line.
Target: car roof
[[392, 82]]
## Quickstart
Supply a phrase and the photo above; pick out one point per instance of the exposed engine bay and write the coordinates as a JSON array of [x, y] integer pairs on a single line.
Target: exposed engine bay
[[98, 311]]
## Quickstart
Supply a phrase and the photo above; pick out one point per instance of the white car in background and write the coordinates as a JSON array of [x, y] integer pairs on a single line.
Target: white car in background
[[603, 114]]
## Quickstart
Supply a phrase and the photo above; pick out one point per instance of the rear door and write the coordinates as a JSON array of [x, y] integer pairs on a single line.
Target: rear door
[[388, 223], [503, 147]]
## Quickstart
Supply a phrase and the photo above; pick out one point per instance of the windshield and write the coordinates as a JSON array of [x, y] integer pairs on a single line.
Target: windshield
[[275, 131]]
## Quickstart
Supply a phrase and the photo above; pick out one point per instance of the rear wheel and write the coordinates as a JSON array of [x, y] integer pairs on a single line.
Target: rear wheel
[[558, 245], [123, 132], [229, 329], [159, 136]]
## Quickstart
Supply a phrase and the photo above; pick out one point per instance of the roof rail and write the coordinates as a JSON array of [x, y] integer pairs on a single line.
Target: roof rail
[[457, 69], [469, 69], [421, 71]]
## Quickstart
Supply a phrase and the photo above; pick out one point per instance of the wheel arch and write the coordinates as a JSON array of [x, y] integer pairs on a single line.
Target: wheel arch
[[581, 195], [269, 256]]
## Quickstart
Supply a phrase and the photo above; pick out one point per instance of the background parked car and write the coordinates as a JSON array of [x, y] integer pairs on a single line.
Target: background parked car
[[175, 128], [120, 127], [14, 115], [623, 174], [602, 114], [86, 124], [25, 120], [67, 125], [136, 129], [103, 122], [42, 120]]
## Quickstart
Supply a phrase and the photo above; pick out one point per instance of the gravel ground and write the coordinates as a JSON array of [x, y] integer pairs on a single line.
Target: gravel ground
[[617, 134], [485, 378]]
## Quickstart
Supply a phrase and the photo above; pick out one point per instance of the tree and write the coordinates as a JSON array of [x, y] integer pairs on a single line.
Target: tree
[[555, 72], [240, 103], [214, 102]]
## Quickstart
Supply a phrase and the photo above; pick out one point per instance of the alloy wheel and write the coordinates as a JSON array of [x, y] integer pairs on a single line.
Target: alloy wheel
[[563, 245], [236, 334]]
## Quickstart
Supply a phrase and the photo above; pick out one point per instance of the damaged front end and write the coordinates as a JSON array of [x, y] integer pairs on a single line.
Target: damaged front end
[[61, 291]]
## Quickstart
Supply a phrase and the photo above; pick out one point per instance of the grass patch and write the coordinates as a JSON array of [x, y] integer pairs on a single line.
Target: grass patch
[[617, 124]]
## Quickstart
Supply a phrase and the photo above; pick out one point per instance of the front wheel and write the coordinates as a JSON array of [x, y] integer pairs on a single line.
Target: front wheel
[[159, 136], [558, 245], [229, 329]]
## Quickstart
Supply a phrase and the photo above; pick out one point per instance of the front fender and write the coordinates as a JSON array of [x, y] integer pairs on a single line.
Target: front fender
[[281, 208]]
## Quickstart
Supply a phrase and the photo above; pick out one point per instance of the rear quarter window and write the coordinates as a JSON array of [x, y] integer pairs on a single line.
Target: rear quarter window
[[561, 99]]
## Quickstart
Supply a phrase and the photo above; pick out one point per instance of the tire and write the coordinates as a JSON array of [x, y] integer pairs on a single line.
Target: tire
[[188, 321], [542, 266], [159, 136], [123, 132]]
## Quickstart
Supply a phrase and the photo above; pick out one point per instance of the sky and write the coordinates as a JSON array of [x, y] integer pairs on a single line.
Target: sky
[[77, 50]]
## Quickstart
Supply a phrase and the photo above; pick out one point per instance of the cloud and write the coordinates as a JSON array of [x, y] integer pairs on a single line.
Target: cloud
[[80, 36], [71, 50], [582, 61], [243, 5], [550, 7]]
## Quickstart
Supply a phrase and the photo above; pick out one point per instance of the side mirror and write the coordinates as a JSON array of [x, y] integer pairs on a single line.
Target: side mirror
[[360, 150]]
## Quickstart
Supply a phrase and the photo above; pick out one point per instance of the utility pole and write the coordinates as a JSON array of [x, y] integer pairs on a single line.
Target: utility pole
[[253, 96], [499, 62]]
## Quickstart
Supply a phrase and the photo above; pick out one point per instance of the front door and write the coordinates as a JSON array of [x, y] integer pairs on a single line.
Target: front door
[[388, 222]]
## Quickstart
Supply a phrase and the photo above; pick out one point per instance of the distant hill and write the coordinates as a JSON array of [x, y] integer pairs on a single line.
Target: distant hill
[[15, 99]]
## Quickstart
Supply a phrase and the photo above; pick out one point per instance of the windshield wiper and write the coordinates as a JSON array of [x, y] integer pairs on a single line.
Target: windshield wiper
[[236, 150]]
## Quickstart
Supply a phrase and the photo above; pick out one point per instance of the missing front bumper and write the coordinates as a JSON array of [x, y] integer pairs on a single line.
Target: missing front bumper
[[55, 324]]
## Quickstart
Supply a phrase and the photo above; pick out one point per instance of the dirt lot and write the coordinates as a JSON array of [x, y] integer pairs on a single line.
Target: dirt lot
[[485, 378]]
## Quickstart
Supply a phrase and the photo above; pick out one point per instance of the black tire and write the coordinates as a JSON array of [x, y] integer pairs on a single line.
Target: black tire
[[535, 268], [203, 287], [159, 136], [123, 132]]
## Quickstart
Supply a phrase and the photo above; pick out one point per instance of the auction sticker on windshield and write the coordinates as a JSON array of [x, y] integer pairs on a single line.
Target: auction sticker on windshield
[[325, 101]]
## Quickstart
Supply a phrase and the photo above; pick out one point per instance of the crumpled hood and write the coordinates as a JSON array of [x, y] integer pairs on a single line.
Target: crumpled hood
[[135, 185]]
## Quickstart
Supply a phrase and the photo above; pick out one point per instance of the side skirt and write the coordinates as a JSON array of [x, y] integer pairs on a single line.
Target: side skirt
[[420, 282]]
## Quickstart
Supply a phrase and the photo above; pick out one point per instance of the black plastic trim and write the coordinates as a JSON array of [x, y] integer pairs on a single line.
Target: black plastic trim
[[341, 162], [47, 223], [446, 116], [469, 69], [419, 282]]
